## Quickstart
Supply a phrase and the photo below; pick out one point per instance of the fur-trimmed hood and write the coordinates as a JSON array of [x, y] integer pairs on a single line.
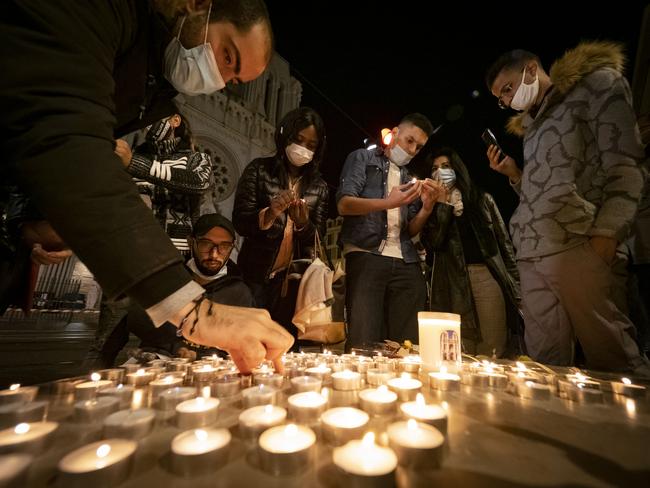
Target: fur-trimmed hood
[[574, 65]]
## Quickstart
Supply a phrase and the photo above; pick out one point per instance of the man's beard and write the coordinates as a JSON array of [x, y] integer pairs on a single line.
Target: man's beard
[[208, 271]]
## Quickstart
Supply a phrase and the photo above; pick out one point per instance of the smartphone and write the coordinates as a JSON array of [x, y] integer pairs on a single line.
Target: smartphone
[[490, 140]]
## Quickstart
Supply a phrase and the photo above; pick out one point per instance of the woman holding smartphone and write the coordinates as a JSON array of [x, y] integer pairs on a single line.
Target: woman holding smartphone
[[473, 269]]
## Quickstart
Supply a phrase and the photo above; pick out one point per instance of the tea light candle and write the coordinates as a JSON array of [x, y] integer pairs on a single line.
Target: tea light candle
[[199, 451], [177, 366], [342, 424], [366, 463], [129, 424], [226, 386], [132, 367], [300, 384], [157, 363], [433, 415], [286, 449], [121, 392], [139, 378], [364, 364], [162, 384], [406, 388], [255, 420], [477, 380], [439, 339], [307, 407], [259, 395], [204, 374], [625, 387], [379, 401], [31, 438], [168, 399], [584, 394], [103, 463], [346, 380], [270, 379], [65, 386], [417, 445], [385, 366], [496, 380], [343, 398], [89, 389], [198, 412], [14, 469], [533, 390], [116, 375], [444, 381], [16, 394], [410, 364], [95, 410], [321, 371], [16, 413], [376, 377]]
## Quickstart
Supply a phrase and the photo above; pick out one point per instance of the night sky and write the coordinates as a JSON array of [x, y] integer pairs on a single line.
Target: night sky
[[377, 61]]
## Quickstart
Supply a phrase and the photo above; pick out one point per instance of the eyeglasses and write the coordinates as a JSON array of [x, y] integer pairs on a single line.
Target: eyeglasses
[[207, 246], [504, 91]]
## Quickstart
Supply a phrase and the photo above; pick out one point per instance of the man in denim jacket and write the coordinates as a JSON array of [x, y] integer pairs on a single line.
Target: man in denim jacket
[[385, 287]]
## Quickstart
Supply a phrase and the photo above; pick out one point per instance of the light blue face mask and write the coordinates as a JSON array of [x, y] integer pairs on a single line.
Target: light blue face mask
[[193, 71], [446, 176]]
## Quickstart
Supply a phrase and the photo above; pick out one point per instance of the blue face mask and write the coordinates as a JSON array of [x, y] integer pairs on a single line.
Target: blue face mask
[[446, 176]]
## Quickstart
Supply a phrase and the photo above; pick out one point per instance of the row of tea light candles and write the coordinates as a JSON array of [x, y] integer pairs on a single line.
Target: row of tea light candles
[[374, 400]]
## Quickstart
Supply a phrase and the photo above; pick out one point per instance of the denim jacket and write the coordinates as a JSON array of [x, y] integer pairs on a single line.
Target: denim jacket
[[365, 175]]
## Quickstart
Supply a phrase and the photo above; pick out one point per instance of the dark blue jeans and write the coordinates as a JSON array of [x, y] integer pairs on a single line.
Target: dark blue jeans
[[383, 297]]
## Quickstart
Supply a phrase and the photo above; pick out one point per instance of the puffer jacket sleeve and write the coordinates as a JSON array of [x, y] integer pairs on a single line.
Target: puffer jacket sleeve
[[249, 201]]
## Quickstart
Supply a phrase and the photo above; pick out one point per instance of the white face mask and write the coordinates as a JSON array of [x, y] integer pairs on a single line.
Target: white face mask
[[525, 96], [298, 155], [193, 71], [399, 156], [447, 176]]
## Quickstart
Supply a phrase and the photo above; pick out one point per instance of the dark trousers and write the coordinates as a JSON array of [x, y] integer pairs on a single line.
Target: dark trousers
[[383, 296]]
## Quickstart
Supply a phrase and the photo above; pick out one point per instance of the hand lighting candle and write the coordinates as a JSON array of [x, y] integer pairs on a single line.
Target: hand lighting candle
[[200, 451], [417, 445], [365, 463], [433, 415], [103, 463], [286, 449], [342, 424]]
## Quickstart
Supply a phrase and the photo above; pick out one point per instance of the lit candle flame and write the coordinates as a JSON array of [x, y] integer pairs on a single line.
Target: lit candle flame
[[200, 401], [268, 409], [419, 399], [529, 384], [22, 428], [581, 385], [412, 425], [383, 389], [140, 372], [14, 387], [120, 386], [521, 366], [368, 439], [201, 435], [95, 377], [445, 405], [264, 368], [103, 451], [354, 353], [206, 392], [168, 379], [626, 381], [291, 430], [137, 399]]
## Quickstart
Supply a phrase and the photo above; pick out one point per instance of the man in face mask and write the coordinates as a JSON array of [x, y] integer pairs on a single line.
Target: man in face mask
[[118, 65], [578, 196], [378, 201]]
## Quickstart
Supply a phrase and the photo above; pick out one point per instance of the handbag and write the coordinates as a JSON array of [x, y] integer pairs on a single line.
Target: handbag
[[320, 302]]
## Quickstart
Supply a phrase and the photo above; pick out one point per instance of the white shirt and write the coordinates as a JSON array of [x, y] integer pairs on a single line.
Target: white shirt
[[393, 247]]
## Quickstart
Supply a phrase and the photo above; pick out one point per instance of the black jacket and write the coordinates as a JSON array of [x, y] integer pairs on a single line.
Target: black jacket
[[262, 179], [79, 74], [450, 287]]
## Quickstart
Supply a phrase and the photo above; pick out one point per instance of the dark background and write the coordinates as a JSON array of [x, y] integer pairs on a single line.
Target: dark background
[[363, 65]]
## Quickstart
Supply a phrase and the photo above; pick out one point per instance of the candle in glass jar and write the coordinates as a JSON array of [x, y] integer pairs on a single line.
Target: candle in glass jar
[[366, 463], [417, 445], [105, 463], [26, 437], [139, 378], [199, 412], [439, 335], [129, 424], [625, 387], [342, 424], [255, 420], [16, 393], [346, 380], [89, 389], [379, 401], [286, 449], [199, 451], [306, 407], [406, 388], [433, 415]]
